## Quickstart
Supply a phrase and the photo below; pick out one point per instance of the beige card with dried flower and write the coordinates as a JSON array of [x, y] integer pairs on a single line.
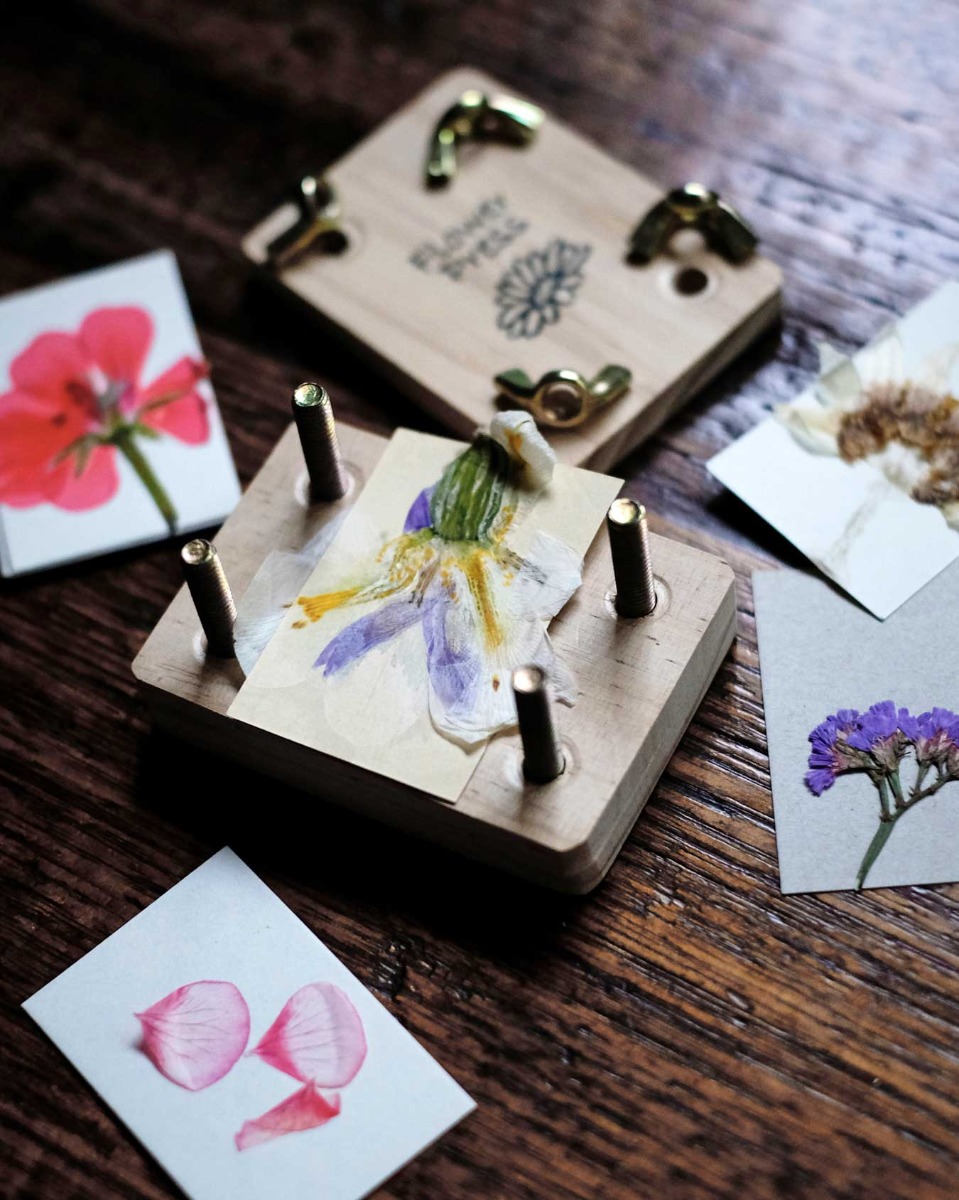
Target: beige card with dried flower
[[861, 472], [398, 653]]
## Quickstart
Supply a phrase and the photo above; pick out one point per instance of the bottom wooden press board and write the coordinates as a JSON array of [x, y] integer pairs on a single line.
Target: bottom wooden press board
[[640, 682], [519, 263]]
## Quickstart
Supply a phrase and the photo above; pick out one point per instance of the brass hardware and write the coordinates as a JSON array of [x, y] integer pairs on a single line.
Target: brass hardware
[[692, 207], [211, 594], [473, 117], [316, 228], [632, 567], [321, 451], [564, 399], [542, 757]]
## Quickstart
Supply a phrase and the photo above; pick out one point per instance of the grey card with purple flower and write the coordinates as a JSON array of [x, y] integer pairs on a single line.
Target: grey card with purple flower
[[862, 720]]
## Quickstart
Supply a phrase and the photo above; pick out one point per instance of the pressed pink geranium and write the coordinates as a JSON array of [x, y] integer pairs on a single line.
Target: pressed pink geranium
[[77, 400]]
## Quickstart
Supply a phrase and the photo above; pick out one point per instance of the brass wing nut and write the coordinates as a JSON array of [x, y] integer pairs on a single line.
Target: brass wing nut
[[564, 399], [692, 207], [317, 227], [474, 117]]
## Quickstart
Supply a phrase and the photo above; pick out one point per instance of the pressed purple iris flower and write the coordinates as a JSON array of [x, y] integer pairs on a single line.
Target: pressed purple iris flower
[[877, 742], [481, 607]]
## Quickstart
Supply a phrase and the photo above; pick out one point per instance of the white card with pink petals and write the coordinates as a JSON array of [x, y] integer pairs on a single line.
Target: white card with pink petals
[[241, 1052], [110, 435]]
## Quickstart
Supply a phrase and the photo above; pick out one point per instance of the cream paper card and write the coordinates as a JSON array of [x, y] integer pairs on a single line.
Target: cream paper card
[[861, 472], [110, 434], [398, 656], [241, 1052]]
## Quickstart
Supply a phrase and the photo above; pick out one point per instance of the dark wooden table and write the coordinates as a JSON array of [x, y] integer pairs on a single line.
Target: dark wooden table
[[686, 1031]]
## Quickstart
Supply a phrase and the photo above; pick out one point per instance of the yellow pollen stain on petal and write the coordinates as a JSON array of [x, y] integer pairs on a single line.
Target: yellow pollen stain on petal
[[314, 607], [473, 566], [515, 439]]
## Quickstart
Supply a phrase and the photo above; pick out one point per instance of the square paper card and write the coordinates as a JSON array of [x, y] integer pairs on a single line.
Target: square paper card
[[861, 471], [863, 734], [109, 430], [397, 655], [241, 1052]]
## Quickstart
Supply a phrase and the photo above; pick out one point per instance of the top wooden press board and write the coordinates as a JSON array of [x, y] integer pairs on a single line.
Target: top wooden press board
[[417, 288]]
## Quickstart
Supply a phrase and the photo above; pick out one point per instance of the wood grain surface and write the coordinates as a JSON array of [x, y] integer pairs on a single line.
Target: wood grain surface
[[685, 1031]]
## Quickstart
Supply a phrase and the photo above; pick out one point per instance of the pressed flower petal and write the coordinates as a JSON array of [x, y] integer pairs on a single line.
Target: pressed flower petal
[[815, 428], [369, 631], [305, 1109], [172, 405], [272, 590], [317, 1037], [839, 385], [96, 483], [516, 432], [419, 515], [196, 1034], [475, 637], [118, 339], [32, 435], [53, 369]]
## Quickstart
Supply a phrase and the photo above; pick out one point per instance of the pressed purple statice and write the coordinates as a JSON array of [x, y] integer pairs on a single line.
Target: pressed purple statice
[[937, 737], [878, 743], [885, 732], [830, 755]]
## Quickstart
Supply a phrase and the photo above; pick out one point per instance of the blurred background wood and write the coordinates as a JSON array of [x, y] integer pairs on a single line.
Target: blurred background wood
[[685, 1031]]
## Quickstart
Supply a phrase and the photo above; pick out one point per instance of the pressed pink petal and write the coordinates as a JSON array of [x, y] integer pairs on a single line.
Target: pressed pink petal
[[117, 339], [95, 485], [54, 369], [305, 1109], [172, 405], [32, 435], [196, 1034], [317, 1037]]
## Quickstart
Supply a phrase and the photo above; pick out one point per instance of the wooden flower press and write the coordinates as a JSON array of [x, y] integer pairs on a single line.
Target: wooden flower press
[[640, 683], [520, 263]]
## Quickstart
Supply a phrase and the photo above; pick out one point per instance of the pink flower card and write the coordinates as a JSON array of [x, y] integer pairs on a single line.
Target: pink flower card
[[110, 435], [241, 1053]]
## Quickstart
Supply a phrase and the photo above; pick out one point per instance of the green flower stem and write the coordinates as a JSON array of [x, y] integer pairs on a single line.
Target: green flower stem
[[896, 786], [125, 442], [888, 821], [883, 797], [882, 835]]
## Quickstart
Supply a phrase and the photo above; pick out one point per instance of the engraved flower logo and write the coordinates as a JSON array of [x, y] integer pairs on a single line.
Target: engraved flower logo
[[536, 288], [77, 399]]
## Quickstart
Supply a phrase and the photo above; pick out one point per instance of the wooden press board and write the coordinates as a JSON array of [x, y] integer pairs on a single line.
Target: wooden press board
[[640, 683], [437, 337]]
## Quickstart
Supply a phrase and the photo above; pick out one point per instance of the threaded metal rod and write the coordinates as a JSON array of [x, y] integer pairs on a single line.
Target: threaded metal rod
[[211, 594], [317, 429], [632, 567], [542, 756]]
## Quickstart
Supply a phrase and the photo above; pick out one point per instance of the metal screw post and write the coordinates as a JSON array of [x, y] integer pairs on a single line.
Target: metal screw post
[[211, 594], [317, 429], [629, 545], [542, 757]]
